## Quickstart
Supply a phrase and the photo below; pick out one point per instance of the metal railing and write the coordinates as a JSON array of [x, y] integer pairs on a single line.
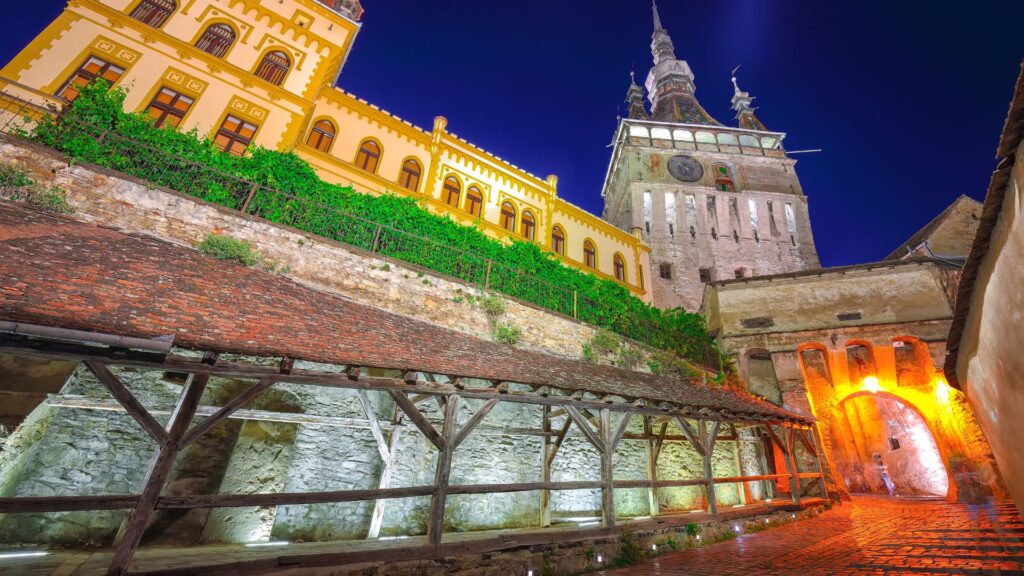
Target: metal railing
[[21, 112]]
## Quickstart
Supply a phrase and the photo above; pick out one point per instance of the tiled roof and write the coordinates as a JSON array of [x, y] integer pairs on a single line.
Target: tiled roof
[[55, 271]]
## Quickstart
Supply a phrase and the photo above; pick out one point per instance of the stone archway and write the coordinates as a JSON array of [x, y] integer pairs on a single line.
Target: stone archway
[[872, 433]]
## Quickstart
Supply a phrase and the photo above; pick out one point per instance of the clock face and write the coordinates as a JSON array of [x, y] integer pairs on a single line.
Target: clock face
[[685, 168]]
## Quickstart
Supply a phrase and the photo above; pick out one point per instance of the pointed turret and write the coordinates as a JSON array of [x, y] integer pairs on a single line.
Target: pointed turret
[[635, 99], [670, 85], [741, 103]]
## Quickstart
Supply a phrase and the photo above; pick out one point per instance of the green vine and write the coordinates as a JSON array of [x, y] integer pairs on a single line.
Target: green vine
[[95, 129]]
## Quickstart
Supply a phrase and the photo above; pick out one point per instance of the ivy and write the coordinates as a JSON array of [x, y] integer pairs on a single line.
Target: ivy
[[95, 129]]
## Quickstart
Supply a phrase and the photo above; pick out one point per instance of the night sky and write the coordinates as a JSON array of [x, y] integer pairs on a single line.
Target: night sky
[[906, 98]]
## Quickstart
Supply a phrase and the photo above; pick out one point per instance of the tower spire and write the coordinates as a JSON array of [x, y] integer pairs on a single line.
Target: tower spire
[[635, 99], [741, 103], [670, 85]]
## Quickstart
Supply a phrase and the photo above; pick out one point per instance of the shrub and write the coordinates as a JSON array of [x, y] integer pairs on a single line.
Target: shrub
[[667, 363], [692, 529], [507, 334], [16, 185], [493, 306], [398, 227], [228, 248], [629, 551]]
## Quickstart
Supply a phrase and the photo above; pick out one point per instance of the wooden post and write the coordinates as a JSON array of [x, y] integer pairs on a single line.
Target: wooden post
[[794, 479], [785, 444], [811, 441], [545, 469], [653, 451], [377, 518], [487, 278], [607, 449], [769, 485], [710, 437], [135, 525], [548, 460], [376, 239], [741, 488], [249, 197], [435, 529]]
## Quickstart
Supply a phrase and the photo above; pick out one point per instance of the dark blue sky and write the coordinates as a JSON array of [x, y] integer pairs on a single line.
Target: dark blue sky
[[906, 98]]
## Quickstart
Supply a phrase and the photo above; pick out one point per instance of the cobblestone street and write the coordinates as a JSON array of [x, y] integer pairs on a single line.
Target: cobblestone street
[[870, 536]]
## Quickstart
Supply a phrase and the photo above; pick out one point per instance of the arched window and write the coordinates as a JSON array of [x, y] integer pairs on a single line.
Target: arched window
[[723, 177], [508, 217], [474, 201], [274, 67], [558, 240], [322, 135], [368, 156], [860, 362], [620, 268], [452, 191], [410, 176], [589, 255], [216, 40], [154, 12], [528, 225]]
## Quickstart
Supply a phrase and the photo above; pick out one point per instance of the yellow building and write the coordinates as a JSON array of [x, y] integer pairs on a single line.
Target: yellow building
[[249, 72]]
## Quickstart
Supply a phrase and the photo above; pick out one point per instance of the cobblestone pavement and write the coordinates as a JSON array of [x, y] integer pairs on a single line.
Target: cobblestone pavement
[[870, 536]]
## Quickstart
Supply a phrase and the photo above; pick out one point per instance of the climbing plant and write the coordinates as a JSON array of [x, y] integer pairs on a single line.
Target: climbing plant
[[95, 129]]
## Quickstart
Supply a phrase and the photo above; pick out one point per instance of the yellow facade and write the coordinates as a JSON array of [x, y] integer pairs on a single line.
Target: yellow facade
[[316, 40]]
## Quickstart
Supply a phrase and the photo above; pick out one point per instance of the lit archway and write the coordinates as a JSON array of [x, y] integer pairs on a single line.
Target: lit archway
[[874, 435]]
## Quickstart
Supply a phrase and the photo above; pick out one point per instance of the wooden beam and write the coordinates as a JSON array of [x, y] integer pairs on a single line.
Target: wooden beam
[[584, 427], [473, 422], [442, 473], [620, 430], [377, 517], [134, 526], [559, 440], [86, 403], [660, 441], [359, 379], [126, 399], [653, 450], [607, 448], [709, 438], [818, 455], [417, 418], [545, 468], [371, 418], [691, 435], [38, 504], [230, 408], [791, 448]]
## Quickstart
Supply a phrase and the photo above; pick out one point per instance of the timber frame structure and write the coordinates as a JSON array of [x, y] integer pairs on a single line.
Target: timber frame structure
[[354, 347], [702, 428]]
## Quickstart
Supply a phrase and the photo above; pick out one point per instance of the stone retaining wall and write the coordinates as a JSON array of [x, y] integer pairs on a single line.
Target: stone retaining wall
[[117, 201]]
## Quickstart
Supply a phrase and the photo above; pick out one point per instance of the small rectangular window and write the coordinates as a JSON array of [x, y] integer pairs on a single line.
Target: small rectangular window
[[648, 212], [790, 219], [894, 443], [752, 206], [665, 271], [168, 107], [705, 275], [670, 212], [771, 219]]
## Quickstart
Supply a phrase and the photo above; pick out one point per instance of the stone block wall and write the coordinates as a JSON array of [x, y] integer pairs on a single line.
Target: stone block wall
[[103, 197]]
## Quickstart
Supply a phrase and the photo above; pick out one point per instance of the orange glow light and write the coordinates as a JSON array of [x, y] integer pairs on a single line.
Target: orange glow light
[[872, 385], [942, 390]]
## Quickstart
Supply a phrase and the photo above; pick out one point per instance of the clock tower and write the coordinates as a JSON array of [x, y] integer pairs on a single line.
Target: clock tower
[[714, 202]]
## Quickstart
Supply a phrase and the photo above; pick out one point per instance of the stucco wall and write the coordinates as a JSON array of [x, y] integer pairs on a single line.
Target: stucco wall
[[990, 364]]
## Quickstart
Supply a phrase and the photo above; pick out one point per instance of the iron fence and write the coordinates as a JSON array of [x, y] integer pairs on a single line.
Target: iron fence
[[22, 109]]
